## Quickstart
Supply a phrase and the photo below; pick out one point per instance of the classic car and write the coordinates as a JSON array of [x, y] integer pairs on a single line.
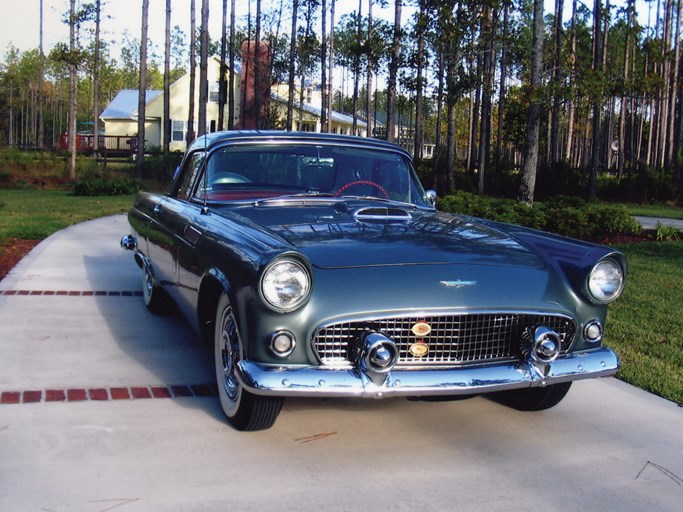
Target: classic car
[[316, 265]]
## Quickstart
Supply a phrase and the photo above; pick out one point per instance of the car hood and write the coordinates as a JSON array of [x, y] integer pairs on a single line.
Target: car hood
[[339, 235]]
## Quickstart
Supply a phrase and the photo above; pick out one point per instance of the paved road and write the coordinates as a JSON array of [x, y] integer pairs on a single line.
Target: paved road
[[106, 407], [652, 222]]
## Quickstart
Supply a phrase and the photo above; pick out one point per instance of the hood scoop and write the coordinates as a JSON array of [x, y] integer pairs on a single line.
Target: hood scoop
[[381, 213]]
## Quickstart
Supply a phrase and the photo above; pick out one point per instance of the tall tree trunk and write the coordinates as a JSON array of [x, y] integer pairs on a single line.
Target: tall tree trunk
[[323, 69], [666, 90], [439, 177], [557, 77], [73, 91], [627, 87], [572, 91], [528, 183], [190, 136], [203, 68], [167, 84], [475, 106], [419, 108], [96, 86], [356, 69], [331, 68], [231, 82], [393, 73], [675, 79], [486, 92], [597, 67], [501, 89], [142, 91], [678, 93], [451, 99], [368, 85], [258, 79], [222, 84], [292, 60], [41, 84]]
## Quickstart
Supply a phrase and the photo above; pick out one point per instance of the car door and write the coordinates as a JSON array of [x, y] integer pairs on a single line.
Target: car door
[[169, 217]]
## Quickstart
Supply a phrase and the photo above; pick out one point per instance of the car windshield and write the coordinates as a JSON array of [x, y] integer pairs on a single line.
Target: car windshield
[[259, 171]]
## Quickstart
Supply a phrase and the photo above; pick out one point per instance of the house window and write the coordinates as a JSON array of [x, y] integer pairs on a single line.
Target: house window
[[178, 131], [214, 92], [307, 127]]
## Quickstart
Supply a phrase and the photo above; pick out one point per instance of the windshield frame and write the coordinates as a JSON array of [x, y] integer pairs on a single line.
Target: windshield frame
[[307, 150]]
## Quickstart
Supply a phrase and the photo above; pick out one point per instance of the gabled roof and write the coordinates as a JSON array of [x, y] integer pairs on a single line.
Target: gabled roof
[[316, 110], [125, 104], [381, 118]]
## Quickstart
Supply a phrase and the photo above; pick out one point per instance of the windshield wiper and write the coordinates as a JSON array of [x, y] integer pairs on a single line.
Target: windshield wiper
[[300, 195]]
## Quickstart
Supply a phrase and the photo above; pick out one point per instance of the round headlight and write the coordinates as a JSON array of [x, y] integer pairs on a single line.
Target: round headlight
[[285, 285], [606, 281]]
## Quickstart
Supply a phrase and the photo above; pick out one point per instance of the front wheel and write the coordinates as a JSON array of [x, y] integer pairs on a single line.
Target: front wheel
[[533, 399], [245, 411]]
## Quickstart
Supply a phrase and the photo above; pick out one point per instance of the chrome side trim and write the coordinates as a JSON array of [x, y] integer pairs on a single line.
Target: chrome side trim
[[317, 381]]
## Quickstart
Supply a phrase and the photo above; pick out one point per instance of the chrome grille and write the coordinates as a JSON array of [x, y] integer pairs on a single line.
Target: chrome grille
[[453, 340]]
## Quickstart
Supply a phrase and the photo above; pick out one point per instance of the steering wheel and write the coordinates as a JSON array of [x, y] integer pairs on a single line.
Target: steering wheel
[[363, 182]]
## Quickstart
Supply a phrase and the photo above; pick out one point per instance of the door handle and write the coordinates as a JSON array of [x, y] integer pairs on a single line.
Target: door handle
[[157, 209]]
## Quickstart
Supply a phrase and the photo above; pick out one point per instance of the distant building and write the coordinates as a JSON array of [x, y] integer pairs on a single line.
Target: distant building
[[120, 117]]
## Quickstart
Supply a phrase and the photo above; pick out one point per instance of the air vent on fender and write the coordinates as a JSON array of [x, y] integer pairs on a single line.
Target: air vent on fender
[[381, 213]]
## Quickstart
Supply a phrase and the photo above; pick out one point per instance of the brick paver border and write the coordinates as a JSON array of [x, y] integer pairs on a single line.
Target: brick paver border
[[72, 293], [104, 394]]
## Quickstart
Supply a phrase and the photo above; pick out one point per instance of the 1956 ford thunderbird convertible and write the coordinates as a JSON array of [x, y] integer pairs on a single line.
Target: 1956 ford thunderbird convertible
[[316, 265]]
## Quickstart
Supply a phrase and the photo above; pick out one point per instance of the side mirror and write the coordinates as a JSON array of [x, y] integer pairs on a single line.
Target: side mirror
[[431, 197]]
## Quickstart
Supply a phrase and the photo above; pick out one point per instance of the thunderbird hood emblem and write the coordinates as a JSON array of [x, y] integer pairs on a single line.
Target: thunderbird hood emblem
[[457, 283]]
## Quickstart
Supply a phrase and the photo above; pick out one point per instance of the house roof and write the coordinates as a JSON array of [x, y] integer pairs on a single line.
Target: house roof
[[381, 118], [125, 104], [316, 110]]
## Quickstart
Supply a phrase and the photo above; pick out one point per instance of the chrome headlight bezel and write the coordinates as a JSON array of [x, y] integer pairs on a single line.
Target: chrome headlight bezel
[[605, 281], [285, 285]]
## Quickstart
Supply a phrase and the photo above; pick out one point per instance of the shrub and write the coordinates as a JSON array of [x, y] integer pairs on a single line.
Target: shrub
[[568, 216], [98, 186], [667, 233]]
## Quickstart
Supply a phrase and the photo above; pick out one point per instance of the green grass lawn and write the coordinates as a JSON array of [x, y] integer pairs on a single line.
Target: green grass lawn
[[656, 210], [645, 326], [36, 214]]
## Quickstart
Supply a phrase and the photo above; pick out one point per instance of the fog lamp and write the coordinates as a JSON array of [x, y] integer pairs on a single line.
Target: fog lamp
[[593, 331], [282, 343]]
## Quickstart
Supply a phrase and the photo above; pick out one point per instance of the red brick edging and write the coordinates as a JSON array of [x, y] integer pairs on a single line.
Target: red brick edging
[[107, 394], [72, 293]]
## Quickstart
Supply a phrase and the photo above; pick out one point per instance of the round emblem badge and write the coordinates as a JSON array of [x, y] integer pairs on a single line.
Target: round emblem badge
[[419, 349], [421, 329]]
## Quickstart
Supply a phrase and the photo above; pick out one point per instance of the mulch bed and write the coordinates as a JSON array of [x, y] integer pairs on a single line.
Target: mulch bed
[[12, 251]]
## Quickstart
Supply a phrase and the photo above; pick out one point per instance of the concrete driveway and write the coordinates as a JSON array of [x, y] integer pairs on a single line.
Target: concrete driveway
[[107, 407]]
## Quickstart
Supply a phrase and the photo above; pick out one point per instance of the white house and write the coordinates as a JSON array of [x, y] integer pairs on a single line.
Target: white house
[[120, 117]]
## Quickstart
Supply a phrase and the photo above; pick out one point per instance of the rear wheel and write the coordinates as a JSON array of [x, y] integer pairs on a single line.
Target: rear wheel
[[154, 297], [533, 399], [246, 411]]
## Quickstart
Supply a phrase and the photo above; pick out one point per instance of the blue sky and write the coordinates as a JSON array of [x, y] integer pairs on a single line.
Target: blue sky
[[20, 26]]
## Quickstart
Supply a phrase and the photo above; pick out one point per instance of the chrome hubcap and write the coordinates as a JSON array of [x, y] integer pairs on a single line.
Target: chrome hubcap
[[229, 354]]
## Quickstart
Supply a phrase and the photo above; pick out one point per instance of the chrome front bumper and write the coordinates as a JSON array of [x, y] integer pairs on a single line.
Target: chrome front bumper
[[320, 381]]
